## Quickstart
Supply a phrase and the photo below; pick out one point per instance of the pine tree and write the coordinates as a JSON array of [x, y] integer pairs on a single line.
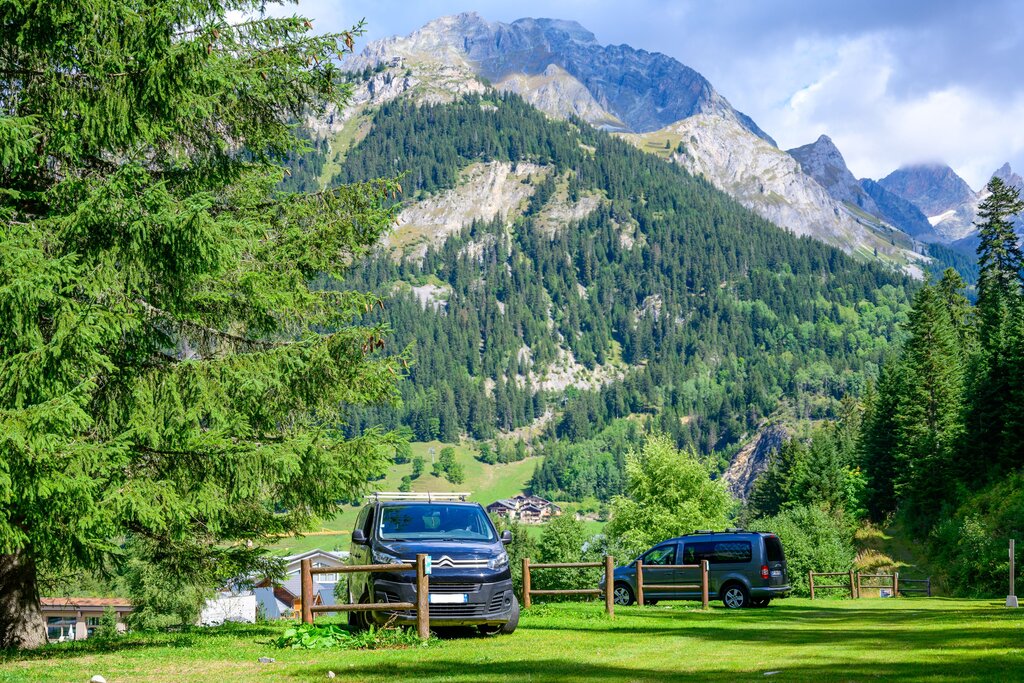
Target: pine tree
[[930, 412], [878, 440], [1000, 263], [164, 371], [999, 303]]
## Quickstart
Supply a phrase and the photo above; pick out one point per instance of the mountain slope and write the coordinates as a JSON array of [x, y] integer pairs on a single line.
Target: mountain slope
[[628, 89], [823, 161], [618, 286], [949, 202], [771, 183]]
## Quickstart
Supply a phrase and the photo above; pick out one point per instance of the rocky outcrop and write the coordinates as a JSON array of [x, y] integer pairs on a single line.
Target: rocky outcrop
[[823, 161], [949, 202], [630, 89], [752, 460], [933, 188], [484, 192], [556, 92], [769, 182]]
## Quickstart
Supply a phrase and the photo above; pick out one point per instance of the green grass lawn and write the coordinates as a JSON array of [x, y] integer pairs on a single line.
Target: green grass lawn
[[487, 483], [826, 640]]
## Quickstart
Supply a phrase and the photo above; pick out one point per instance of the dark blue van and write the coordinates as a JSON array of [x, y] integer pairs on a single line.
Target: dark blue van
[[470, 581]]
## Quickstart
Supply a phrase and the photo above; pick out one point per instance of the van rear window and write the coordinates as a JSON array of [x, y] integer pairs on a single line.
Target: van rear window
[[717, 552], [773, 547]]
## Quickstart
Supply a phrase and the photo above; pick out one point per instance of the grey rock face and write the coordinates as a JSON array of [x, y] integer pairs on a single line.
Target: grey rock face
[[822, 161], [643, 90], [771, 183], [752, 460], [933, 188]]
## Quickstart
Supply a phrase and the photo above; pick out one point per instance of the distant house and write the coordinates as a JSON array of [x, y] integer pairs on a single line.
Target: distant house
[[526, 509], [284, 600], [78, 618]]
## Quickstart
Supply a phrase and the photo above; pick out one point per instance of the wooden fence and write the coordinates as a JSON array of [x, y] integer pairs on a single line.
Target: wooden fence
[[851, 586], [641, 585], [609, 591], [897, 585], [422, 604]]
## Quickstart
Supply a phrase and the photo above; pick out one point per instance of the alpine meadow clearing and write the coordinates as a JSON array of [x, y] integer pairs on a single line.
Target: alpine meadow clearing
[[926, 639]]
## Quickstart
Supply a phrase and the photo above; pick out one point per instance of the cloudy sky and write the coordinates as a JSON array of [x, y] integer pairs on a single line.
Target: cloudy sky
[[890, 81]]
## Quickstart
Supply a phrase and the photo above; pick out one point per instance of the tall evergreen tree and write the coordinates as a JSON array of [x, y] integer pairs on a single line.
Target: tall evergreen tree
[[878, 440], [164, 375], [930, 411], [999, 303]]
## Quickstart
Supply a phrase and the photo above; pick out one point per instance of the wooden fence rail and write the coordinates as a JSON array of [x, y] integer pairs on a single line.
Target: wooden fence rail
[[422, 604], [856, 583], [641, 584], [925, 586], [609, 570], [851, 586]]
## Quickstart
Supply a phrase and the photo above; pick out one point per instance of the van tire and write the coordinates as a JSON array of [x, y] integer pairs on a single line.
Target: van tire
[[735, 596], [513, 621], [359, 620], [623, 594]]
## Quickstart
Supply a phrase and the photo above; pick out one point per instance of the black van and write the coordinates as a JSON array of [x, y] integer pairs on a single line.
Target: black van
[[745, 569], [470, 582]]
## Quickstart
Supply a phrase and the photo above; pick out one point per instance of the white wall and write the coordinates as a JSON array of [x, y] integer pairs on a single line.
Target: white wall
[[228, 607]]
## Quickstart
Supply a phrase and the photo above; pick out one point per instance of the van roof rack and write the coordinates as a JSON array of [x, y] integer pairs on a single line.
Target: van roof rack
[[428, 497]]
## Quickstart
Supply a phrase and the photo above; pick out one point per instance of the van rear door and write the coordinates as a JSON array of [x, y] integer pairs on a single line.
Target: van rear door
[[776, 561]]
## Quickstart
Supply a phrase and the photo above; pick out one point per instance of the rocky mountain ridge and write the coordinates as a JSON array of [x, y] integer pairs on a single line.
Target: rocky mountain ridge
[[771, 183], [823, 161], [629, 89]]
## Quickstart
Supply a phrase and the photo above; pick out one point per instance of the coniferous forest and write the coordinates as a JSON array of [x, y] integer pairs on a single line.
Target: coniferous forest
[[717, 318]]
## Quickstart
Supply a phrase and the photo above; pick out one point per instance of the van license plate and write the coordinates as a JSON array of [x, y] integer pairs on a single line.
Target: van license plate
[[449, 598], [776, 573]]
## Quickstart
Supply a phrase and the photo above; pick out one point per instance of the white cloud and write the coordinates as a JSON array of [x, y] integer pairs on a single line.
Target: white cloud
[[849, 96]]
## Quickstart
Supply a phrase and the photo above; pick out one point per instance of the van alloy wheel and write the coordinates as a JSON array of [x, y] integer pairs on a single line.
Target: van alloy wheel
[[622, 595], [735, 597]]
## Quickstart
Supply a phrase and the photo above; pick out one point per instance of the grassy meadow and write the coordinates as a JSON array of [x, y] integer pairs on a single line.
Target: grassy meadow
[[933, 639], [486, 482]]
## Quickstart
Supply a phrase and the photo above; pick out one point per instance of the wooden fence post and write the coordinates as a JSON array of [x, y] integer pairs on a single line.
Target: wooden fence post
[[895, 584], [422, 597], [810, 580], [609, 585], [858, 584], [306, 594], [853, 587], [526, 583], [704, 583], [640, 583]]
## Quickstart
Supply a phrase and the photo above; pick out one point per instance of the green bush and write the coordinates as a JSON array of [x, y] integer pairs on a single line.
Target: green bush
[[812, 540], [971, 544]]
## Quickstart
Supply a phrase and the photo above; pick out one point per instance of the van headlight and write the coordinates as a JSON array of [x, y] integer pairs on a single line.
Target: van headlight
[[380, 557], [499, 562]]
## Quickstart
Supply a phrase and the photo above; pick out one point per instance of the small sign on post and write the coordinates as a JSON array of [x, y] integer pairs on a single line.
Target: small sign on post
[[1011, 599]]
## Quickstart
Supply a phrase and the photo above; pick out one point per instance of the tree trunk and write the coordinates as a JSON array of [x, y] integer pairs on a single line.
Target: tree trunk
[[21, 620]]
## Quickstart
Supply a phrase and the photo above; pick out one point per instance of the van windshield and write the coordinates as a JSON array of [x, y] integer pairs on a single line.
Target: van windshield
[[434, 521]]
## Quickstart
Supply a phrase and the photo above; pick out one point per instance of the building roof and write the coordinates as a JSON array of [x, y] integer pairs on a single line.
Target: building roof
[[75, 603], [309, 554]]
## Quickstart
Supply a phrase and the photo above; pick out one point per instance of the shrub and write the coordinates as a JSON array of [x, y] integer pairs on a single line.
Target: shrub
[[670, 493], [971, 545], [812, 540]]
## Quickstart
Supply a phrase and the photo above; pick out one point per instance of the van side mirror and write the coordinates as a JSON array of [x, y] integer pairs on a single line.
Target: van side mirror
[[359, 536], [506, 536]]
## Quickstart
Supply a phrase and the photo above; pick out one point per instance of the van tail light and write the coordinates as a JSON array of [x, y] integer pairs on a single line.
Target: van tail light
[[764, 571]]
